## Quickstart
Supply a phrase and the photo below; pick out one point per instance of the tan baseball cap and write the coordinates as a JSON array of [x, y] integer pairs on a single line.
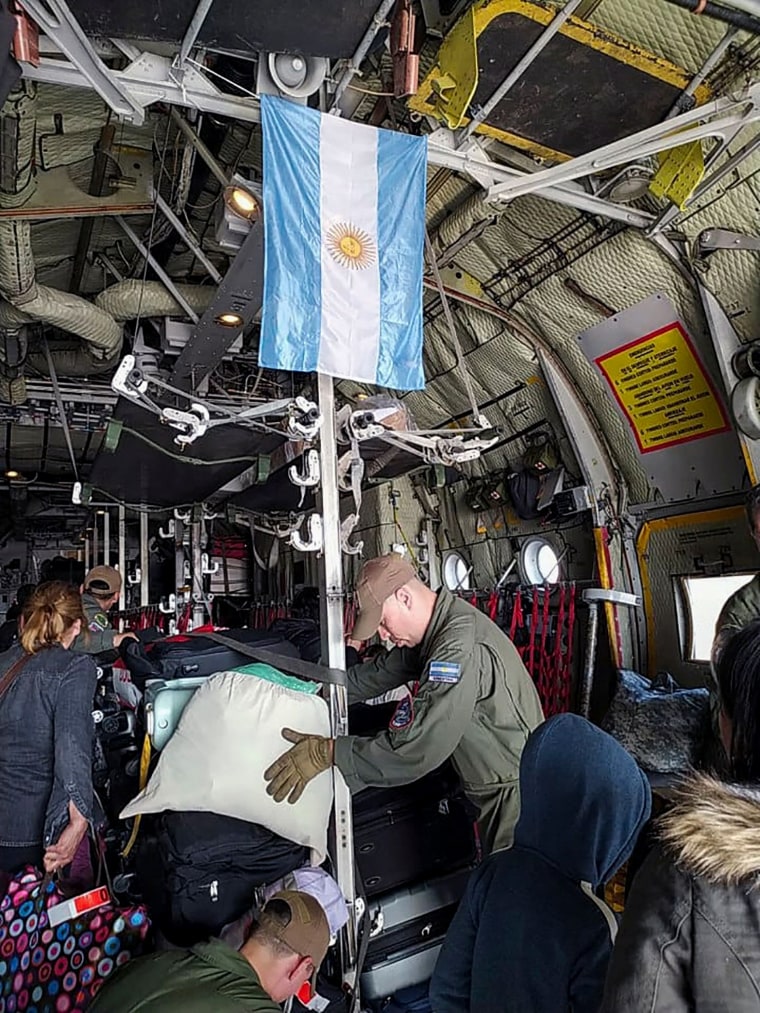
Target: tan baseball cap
[[378, 580], [307, 931], [103, 581]]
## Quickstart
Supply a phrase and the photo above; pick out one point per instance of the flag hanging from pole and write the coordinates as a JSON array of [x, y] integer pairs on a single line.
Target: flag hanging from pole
[[344, 228]]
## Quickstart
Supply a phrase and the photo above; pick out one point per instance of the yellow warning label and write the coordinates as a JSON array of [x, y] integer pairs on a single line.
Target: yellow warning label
[[663, 389]]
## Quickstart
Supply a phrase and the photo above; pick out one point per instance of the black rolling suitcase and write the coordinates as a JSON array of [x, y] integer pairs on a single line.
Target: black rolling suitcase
[[199, 655], [409, 834], [407, 930]]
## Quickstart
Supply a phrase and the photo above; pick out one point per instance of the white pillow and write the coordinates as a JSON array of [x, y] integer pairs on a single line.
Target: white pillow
[[228, 735]]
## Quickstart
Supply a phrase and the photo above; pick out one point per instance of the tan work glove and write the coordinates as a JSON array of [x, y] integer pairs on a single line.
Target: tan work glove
[[291, 772]]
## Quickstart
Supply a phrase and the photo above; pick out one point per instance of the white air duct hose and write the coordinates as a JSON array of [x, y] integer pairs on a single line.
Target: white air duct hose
[[23, 300], [129, 298]]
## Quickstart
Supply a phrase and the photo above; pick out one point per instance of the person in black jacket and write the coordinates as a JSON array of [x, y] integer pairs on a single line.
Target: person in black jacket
[[531, 934], [690, 936], [9, 629]]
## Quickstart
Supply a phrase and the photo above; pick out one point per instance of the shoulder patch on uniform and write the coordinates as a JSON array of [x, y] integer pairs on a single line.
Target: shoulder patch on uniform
[[444, 671], [403, 714], [99, 622]]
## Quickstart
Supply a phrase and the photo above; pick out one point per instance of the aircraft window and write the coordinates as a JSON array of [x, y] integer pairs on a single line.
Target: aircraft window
[[539, 562], [456, 572], [703, 598]]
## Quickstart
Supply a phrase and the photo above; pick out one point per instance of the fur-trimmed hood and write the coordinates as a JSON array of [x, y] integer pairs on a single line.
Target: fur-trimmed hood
[[713, 830]]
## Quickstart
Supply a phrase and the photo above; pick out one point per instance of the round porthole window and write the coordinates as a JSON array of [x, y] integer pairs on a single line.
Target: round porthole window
[[456, 572], [539, 562]]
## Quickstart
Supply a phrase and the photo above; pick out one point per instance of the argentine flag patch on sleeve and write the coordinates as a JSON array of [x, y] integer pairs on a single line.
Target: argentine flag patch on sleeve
[[444, 671]]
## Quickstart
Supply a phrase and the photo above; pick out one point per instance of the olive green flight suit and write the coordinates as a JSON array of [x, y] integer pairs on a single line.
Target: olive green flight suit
[[475, 703], [98, 635]]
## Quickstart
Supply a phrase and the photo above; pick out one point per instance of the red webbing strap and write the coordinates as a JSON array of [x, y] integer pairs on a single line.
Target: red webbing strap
[[543, 667], [569, 651], [517, 619], [532, 643], [493, 606], [558, 673]]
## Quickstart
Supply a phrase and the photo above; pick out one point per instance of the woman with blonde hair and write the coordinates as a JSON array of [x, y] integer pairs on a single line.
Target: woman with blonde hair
[[46, 731]]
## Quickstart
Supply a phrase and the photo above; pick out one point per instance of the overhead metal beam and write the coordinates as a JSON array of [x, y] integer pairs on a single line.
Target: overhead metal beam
[[196, 23], [97, 183], [361, 51], [475, 162], [148, 79], [171, 287], [520, 67], [723, 116], [241, 292], [59, 24], [187, 237]]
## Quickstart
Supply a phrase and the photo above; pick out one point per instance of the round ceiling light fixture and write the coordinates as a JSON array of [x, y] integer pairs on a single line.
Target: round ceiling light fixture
[[12, 473], [230, 320], [242, 202], [630, 185]]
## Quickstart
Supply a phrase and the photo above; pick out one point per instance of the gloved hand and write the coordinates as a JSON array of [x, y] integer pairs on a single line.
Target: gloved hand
[[291, 772]]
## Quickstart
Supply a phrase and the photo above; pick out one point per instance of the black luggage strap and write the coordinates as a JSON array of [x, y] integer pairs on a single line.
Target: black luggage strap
[[293, 666]]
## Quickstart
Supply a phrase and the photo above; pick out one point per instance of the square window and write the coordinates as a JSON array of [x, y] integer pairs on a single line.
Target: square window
[[703, 598]]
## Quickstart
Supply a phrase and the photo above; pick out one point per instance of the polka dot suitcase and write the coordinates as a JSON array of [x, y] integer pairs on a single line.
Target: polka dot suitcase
[[61, 969]]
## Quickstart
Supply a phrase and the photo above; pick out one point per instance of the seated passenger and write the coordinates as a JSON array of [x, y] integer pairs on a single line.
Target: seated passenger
[[46, 731], [531, 934], [690, 936], [283, 951]]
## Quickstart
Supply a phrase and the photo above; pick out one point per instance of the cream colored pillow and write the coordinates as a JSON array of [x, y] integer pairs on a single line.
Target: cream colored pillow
[[228, 735]]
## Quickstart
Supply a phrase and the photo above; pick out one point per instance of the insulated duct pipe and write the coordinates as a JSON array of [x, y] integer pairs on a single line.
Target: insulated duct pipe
[[728, 15], [25, 301]]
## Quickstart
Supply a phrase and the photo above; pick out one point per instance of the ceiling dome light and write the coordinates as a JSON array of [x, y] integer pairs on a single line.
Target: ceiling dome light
[[230, 320], [242, 202], [12, 473]]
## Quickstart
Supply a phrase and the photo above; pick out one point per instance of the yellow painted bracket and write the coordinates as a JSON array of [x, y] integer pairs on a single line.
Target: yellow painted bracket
[[453, 80], [448, 89], [679, 174]]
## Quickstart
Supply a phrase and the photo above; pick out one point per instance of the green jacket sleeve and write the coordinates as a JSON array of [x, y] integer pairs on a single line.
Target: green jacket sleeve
[[372, 678], [439, 717], [99, 635]]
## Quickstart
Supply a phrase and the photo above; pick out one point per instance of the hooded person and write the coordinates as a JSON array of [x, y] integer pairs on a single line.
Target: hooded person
[[690, 935], [531, 934]]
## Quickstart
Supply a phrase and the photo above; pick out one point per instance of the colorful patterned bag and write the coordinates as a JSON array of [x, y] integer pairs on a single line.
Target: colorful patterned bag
[[61, 969]]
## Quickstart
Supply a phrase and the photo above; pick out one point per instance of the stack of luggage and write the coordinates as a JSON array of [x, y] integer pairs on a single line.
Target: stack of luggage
[[200, 871]]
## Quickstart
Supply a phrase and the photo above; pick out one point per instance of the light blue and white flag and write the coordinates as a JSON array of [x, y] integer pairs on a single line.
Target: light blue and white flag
[[344, 226]]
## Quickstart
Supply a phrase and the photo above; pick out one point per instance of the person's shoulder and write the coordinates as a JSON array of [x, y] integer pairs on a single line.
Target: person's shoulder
[[75, 664]]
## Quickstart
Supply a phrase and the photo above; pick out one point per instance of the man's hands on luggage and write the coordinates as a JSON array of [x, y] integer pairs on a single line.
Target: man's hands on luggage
[[290, 773]]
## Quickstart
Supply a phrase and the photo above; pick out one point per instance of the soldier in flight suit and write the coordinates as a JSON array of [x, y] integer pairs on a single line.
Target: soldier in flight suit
[[100, 592], [473, 701]]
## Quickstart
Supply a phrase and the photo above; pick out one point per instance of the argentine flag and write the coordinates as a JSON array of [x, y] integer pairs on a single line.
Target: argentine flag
[[344, 227]]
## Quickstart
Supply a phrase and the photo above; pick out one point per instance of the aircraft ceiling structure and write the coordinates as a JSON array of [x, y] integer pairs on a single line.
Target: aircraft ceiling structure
[[526, 275]]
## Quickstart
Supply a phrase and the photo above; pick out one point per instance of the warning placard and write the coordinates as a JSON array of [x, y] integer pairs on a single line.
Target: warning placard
[[663, 389]]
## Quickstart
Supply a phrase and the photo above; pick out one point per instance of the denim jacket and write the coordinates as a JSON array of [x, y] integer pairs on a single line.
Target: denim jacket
[[46, 733]]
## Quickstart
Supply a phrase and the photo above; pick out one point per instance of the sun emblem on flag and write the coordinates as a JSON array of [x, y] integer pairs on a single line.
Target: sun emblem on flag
[[350, 246]]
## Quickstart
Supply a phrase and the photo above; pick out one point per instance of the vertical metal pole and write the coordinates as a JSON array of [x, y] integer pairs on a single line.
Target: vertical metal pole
[[86, 553], [179, 555], [107, 538], [334, 650], [199, 609], [123, 556], [434, 560], [144, 562], [589, 662], [95, 540]]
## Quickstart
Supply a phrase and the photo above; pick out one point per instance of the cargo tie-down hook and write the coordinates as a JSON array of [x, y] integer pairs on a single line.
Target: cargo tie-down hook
[[315, 540]]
